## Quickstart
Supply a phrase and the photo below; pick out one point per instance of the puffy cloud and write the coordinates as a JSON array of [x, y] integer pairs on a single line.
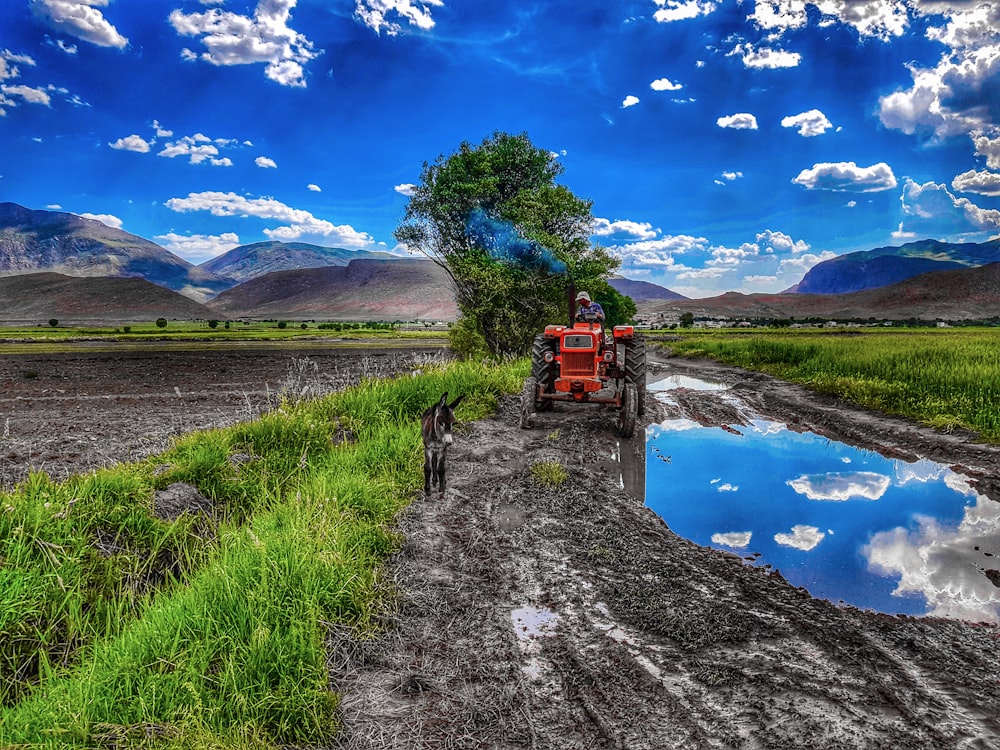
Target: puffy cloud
[[766, 57], [881, 19], [8, 64], [298, 223], [108, 220], [733, 256], [406, 188], [629, 101], [803, 263], [82, 19], [779, 242], [665, 84], [26, 94], [735, 539], [802, 537], [658, 253], [990, 148], [738, 121], [604, 228], [265, 162], [375, 14], [232, 39], [681, 10], [198, 247], [847, 177], [984, 183], [841, 486], [132, 143], [314, 187], [944, 564], [160, 131], [809, 124], [921, 471], [199, 148], [930, 209]]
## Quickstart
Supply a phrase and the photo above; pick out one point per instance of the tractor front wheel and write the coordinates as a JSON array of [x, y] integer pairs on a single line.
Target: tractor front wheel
[[625, 426], [528, 394], [635, 369], [542, 371]]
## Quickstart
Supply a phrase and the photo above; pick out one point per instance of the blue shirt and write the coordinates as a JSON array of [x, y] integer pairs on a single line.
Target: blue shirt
[[594, 308]]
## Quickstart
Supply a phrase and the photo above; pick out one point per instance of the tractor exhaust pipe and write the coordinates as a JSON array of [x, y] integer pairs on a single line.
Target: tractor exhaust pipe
[[572, 301]]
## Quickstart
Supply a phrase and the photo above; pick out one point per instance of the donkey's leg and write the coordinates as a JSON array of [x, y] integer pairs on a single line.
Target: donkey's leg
[[428, 466], [440, 472]]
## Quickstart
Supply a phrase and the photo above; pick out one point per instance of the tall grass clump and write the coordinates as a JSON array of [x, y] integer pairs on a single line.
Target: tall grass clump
[[213, 636], [947, 378]]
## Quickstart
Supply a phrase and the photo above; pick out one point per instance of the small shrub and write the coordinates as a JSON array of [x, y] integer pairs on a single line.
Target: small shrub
[[549, 473], [213, 324], [127, 329], [53, 322], [161, 322], [282, 325]]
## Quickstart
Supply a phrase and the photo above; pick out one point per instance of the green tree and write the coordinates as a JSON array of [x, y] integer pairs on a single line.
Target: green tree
[[53, 322], [687, 320], [213, 324], [510, 238], [161, 322]]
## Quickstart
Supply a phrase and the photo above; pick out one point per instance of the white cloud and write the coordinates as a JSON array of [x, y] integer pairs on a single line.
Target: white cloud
[[69, 49], [727, 487], [921, 471], [847, 177], [803, 263], [682, 10], [265, 162], [629, 101], [990, 148], [160, 131], [738, 121], [297, 223], [198, 248], [802, 537], [766, 58], [658, 253], [735, 539], [605, 228], [376, 14], [881, 19], [779, 242], [232, 39], [665, 84], [82, 19], [107, 219], [27, 94], [8, 64], [199, 148], [406, 188], [314, 187], [809, 124], [841, 486], [731, 176], [931, 210], [944, 564], [132, 143], [983, 183]]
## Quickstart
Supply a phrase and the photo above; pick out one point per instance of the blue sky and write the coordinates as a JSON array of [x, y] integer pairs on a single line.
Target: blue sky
[[725, 145]]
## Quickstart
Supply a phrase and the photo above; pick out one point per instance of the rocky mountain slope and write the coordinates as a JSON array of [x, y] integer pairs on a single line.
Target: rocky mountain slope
[[641, 291], [363, 290], [32, 241], [35, 298], [869, 269], [963, 294], [260, 258]]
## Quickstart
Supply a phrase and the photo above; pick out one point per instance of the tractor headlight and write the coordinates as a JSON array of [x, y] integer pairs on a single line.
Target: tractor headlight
[[609, 356], [549, 357]]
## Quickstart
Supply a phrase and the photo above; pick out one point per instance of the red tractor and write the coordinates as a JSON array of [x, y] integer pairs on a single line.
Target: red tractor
[[582, 364]]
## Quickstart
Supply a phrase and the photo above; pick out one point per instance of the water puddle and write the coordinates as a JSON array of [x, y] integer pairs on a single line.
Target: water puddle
[[847, 524], [673, 382]]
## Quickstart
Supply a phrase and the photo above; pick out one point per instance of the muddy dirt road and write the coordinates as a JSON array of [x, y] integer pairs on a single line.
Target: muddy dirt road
[[570, 616]]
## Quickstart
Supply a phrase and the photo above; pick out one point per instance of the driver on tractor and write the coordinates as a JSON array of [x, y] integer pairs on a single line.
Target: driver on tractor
[[587, 310]]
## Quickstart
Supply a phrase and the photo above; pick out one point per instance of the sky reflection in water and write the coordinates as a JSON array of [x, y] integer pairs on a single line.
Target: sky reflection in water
[[845, 523]]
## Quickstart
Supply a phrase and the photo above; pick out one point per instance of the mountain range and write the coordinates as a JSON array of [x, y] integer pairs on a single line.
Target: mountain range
[[73, 268]]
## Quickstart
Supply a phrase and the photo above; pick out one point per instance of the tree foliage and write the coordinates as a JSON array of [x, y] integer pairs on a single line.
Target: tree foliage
[[510, 237]]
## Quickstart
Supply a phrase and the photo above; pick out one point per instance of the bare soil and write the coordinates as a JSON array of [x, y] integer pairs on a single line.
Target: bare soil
[[529, 615]]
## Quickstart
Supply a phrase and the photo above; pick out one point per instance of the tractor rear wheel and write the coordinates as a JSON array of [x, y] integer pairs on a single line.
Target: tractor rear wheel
[[542, 371], [635, 369], [625, 426], [528, 394]]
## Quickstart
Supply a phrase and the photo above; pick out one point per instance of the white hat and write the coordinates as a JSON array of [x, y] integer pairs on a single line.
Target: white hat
[[583, 296]]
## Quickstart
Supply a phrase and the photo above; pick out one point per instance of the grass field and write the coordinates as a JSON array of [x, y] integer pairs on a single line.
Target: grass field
[[120, 628], [946, 378]]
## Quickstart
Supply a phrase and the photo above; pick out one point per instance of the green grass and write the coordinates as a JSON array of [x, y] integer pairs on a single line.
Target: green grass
[[117, 627], [946, 378]]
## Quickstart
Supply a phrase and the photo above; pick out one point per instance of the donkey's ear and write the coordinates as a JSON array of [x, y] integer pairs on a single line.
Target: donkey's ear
[[444, 399], [456, 402]]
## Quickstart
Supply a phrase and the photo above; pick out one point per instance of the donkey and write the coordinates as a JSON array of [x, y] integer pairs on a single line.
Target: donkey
[[435, 428]]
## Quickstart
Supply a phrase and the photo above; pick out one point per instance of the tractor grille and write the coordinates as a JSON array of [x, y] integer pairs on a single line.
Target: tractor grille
[[576, 364]]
